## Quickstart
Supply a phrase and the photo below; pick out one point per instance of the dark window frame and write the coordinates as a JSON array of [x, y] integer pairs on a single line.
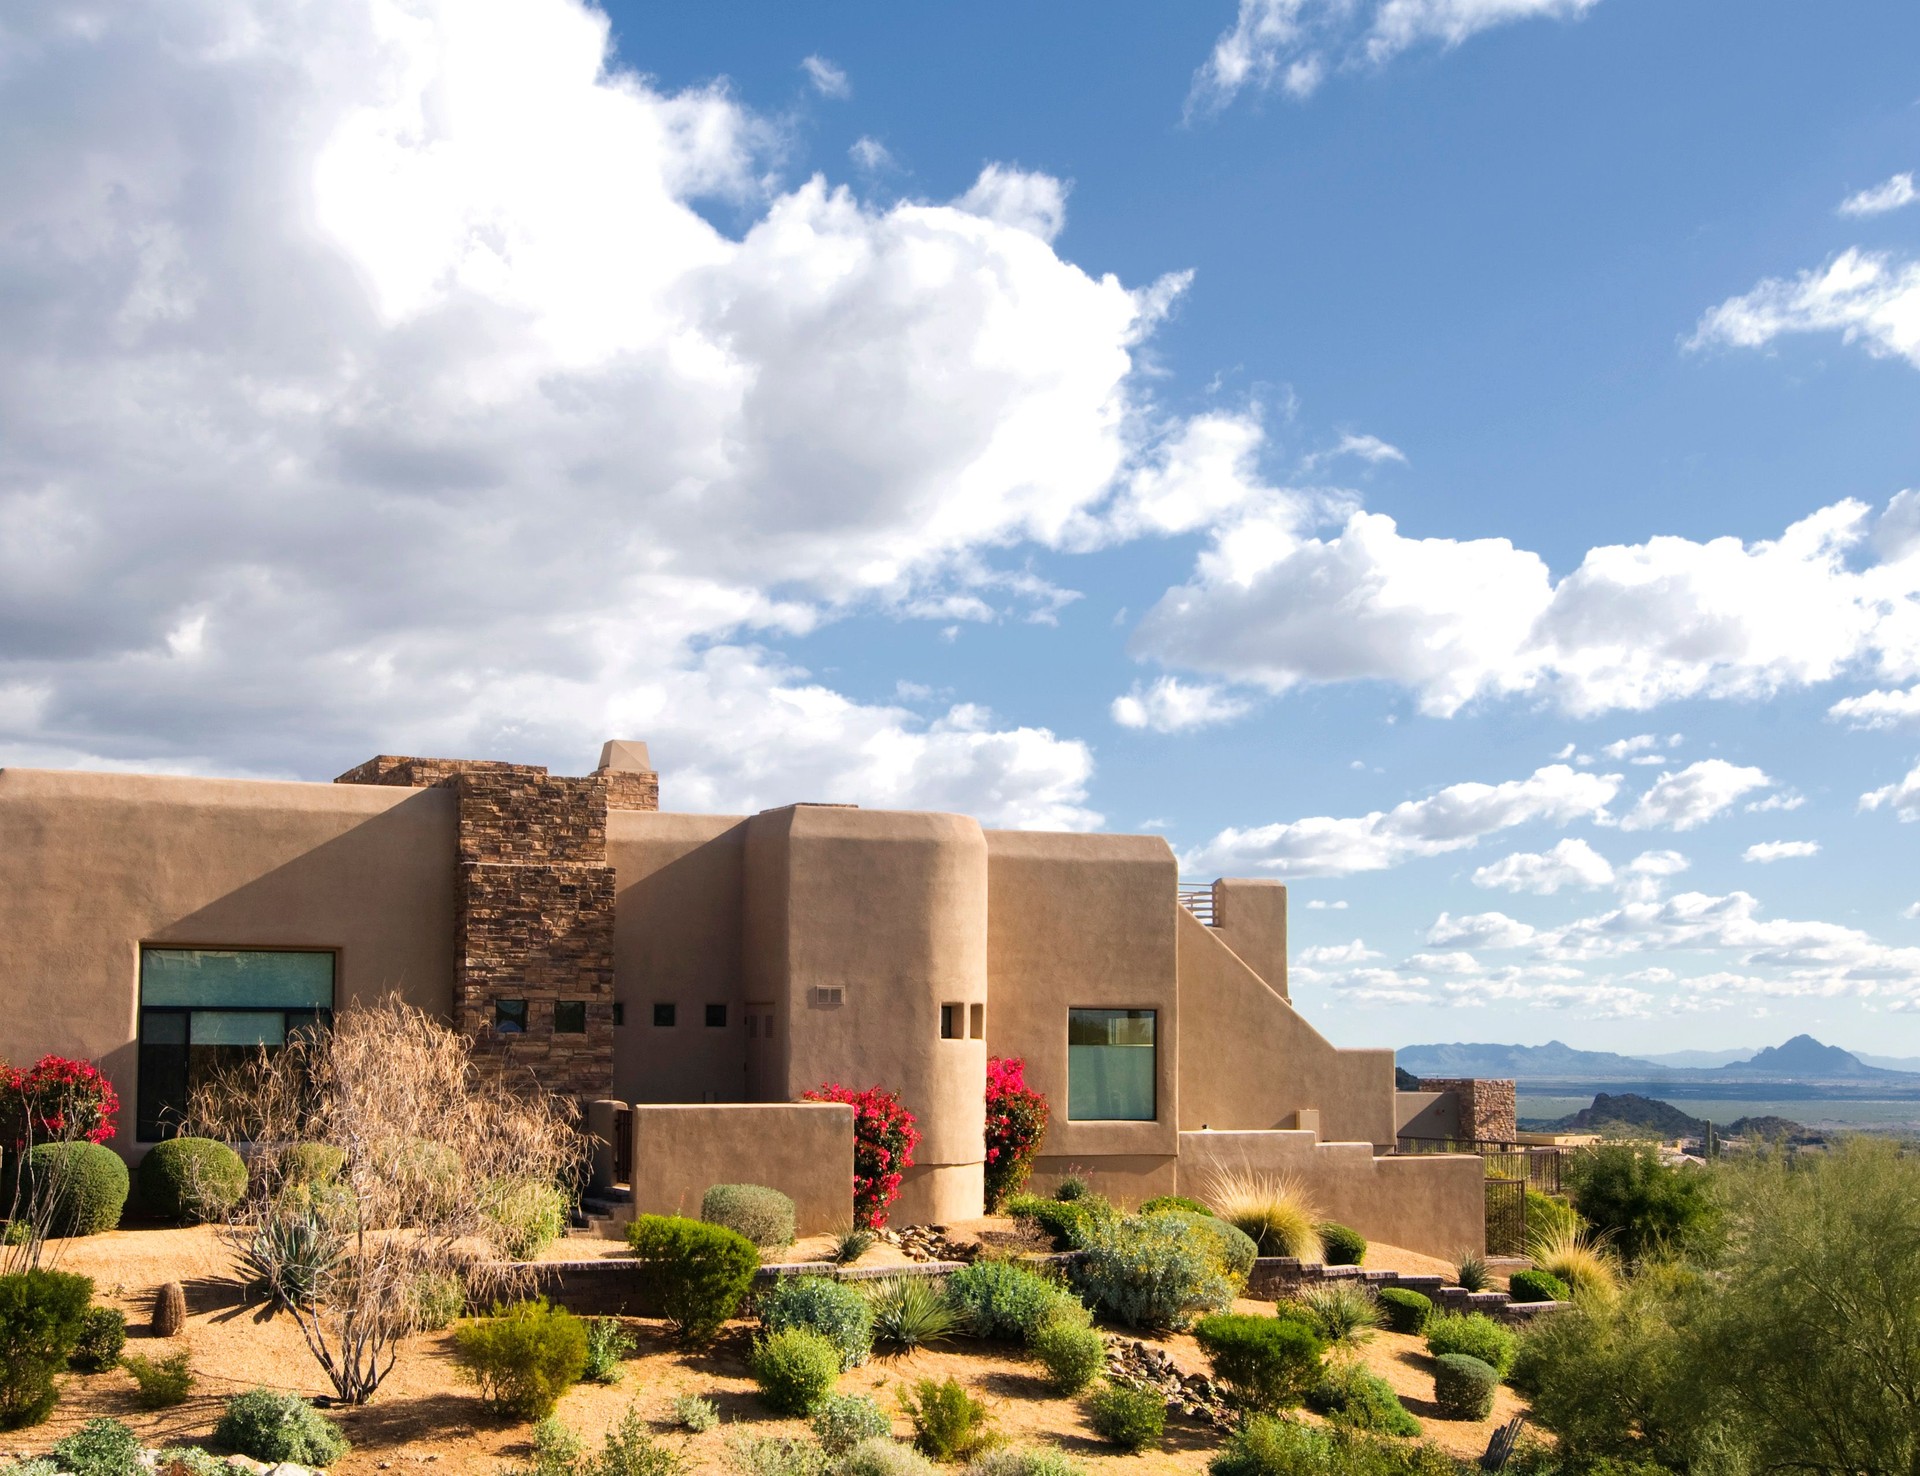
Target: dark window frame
[[716, 1017], [575, 1009], [666, 1015]]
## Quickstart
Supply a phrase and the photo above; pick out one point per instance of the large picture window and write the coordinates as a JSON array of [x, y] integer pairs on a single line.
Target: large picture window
[[205, 1009], [1110, 1066]]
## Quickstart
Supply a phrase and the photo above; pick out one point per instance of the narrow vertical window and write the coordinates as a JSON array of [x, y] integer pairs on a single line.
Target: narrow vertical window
[[952, 1017], [976, 1022]]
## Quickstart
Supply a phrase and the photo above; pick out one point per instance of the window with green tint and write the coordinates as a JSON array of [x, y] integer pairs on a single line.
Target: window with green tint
[[206, 1010], [1110, 1065]]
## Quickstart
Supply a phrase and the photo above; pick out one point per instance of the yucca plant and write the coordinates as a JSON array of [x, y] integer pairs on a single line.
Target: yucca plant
[[1471, 1274], [1342, 1313], [1580, 1258], [910, 1312], [850, 1243], [1272, 1209]]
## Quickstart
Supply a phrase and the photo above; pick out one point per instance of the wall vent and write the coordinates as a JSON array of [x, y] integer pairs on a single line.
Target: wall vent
[[829, 996]]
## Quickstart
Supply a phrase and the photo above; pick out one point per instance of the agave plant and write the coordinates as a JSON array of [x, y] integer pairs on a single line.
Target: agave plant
[[1471, 1274], [290, 1256], [850, 1243], [910, 1312], [1272, 1209]]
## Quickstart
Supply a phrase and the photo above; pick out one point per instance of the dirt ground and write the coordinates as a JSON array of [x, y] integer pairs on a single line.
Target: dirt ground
[[425, 1416]]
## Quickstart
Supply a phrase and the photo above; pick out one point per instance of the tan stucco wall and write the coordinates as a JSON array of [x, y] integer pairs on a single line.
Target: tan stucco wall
[[891, 907], [1427, 1115], [94, 865], [1250, 917], [676, 940], [805, 1150], [1248, 1060], [1083, 921], [1433, 1203]]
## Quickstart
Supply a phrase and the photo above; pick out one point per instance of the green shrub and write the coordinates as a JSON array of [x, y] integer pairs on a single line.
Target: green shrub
[[1073, 1353], [698, 1272], [1069, 1222], [1156, 1271], [1549, 1216], [269, 1426], [438, 1297], [1161, 1203], [609, 1344], [629, 1450], [1341, 1313], [1071, 1188], [526, 1217], [1267, 1445], [42, 1314], [1351, 1395], [795, 1369], [831, 1308], [1268, 1362], [1474, 1334], [103, 1333], [884, 1458], [1023, 1460], [1231, 1246], [1537, 1286], [1463, 1386], [36, 1466], [523, 1357], [101, 1447], [557, 1451], [910, 1312], [997, 1299], [1133, 1419], [842, 1421], [311, 1163], [1472, 1273], [160, 1383], [774, 1455], [1343, 1246], [1639, 1203], [763, 1215], [189, 1460], [949, 1424], [1406, 1311], [191, 1180], [83, 1186], [691, 1412]]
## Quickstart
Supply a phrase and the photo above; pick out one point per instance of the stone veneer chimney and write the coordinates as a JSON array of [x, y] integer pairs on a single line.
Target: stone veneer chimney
[[533, 915]]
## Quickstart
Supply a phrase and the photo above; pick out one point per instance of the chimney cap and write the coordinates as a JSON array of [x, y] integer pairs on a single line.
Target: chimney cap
[[626, 756]]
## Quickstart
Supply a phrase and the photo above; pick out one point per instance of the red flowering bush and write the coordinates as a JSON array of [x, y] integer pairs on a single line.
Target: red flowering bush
[[57, 1101], [884, 1137], [1016, 1121]]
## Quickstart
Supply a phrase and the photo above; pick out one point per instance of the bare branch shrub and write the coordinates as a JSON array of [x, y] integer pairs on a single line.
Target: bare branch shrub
[[425, 1141]]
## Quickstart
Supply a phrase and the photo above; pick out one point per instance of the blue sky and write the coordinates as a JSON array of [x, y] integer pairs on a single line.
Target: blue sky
[[1002, 408]]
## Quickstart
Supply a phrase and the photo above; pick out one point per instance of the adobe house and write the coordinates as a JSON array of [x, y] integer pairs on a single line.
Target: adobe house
[[691, 975]]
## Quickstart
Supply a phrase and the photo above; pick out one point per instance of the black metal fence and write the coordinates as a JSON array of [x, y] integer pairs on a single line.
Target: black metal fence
[[1506, 1217]]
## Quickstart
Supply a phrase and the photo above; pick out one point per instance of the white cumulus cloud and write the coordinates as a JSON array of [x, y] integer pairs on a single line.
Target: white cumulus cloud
[[1571, 863], [1779, 850], [1451, 819], [828, 80], [1868, 297], [1878, 709], [1889, 194], [1694, 795], [1173, 706], [1902, 796], [1337, 953], [1479, 930]]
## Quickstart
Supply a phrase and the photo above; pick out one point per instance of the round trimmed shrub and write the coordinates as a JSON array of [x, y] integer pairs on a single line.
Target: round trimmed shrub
[[763, 1215], [311, 1163], [1406, 1311], [697, 1272], [831, 1308], [998, 1299], [1537, 1286], [1071, 1350], [1474, 1334], [103, 1333], [1270, 1362], [1344, 1246], [87, 1183], [1161, 1203], [1463, 1386], [267, 1425], [191, 1179], [1133, 1419], [795, 1369], [1156, 1271]]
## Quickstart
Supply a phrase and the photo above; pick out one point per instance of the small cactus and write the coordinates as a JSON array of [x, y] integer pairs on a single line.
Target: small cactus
[[169, 1310]]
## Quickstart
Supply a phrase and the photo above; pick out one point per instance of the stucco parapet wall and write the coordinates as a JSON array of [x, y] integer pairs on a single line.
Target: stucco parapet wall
[[803, 1149]]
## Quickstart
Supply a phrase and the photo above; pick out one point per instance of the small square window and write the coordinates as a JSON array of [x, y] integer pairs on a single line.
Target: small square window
[[570, 1017], [663, 1014], [619, 1013], [716, 1016], [976, 1022], [510, 1016], [953, 1019]]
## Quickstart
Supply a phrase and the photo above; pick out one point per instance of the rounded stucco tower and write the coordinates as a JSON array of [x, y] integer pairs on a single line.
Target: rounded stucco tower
[[865, 962]]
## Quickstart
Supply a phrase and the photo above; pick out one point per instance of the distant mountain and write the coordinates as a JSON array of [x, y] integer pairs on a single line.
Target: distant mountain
[[1708, 1060], [1891, 1063], [1555, 1058], [1804, 1058], [1628, 1113]]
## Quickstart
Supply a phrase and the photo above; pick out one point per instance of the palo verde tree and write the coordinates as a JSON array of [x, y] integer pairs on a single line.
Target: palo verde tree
[[380, 1154]]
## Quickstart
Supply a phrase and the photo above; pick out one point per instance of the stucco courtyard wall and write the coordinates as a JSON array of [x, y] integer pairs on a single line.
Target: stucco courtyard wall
[[805, 1150], [94, 865]]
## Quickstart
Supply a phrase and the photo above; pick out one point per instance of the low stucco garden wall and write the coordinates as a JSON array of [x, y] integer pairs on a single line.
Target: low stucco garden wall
[[803, 1149]]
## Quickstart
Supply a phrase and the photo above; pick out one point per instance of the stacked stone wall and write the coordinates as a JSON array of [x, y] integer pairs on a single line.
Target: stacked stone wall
[[1487, 1107]]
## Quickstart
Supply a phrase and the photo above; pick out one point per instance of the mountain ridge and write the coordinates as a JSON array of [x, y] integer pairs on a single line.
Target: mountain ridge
[[1799, 1058]]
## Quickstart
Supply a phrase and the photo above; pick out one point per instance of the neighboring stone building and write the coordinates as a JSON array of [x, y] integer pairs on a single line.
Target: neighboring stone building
[[704, 970]]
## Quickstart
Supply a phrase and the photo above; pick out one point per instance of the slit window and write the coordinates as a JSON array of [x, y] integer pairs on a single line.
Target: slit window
[[570, 1017], [953, 1019], [206, 1010], [663, 1015], [976, 1022], [1110, 1065]]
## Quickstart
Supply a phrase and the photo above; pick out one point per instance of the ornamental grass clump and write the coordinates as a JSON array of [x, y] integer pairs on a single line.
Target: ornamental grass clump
[[1273, 1210], [1578, 1259], [1267, 1362], [884, 1137], [1016, 1122], [1343, 1314], [699, 1273]]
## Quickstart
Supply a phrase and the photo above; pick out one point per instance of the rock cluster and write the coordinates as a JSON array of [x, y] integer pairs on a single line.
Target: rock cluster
[[1145, 1367], [927, 1243]]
